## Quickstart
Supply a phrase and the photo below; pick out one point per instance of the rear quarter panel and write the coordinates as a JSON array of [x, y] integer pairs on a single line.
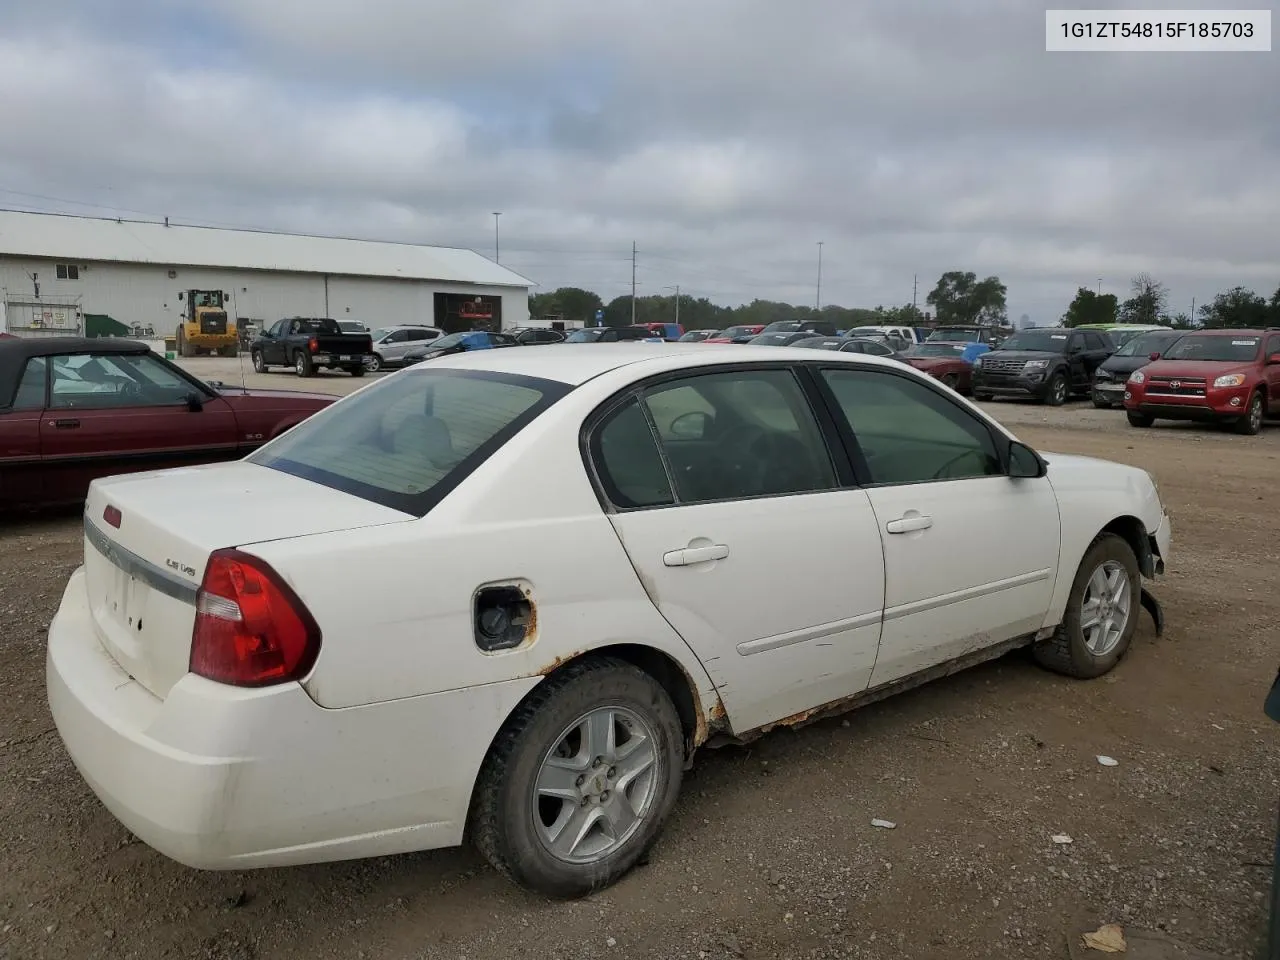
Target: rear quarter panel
[[261, 417]]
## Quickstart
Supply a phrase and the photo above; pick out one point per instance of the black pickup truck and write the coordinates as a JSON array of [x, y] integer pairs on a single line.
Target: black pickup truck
[[309, 344]]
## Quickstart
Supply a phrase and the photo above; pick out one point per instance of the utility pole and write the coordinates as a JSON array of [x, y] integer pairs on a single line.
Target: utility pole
[[676, 288], [1193, 311], [817, 300], [496, 215], [915, 283], [1099, 286], [633, 283]]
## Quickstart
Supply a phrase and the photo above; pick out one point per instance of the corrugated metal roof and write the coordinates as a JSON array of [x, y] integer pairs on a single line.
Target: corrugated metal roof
[[56, 236]]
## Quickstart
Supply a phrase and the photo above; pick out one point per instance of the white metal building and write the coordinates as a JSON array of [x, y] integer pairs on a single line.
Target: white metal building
[[77, 274]]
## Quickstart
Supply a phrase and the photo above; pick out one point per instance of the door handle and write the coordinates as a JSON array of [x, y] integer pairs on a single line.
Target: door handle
[[691, 555], [909, 524], [64, 424]]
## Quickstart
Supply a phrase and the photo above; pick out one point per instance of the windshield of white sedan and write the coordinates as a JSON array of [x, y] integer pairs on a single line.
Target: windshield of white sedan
[[1220, 348], [409, 440]]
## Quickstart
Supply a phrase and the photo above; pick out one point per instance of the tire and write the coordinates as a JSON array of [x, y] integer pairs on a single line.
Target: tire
[[373, 363], [1250, 425], [184, 349], [259, 364], [228, 351], [506, 823], [1058, 392], [982, 397], [951, 380], [356, 371], [302, 365], [1069, 651], [1139, 419]]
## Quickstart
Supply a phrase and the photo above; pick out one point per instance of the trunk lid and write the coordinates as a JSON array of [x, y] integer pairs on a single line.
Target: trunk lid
[[142, 576]]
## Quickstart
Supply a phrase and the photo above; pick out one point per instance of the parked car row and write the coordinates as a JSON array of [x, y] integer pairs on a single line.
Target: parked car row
[[1226, 377]]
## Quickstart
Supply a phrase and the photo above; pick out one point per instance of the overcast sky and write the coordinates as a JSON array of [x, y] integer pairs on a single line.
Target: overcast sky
[[725, 137]]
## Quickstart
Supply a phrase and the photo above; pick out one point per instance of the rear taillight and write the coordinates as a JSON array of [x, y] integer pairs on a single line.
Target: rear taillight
[[112, 516], [313, 345], [251, 629]]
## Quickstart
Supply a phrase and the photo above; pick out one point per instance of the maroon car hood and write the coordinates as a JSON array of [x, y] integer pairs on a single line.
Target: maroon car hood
[[929, 363]]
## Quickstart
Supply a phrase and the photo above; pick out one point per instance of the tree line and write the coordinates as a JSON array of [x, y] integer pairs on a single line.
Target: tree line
[[1148, 303], [958, 297]]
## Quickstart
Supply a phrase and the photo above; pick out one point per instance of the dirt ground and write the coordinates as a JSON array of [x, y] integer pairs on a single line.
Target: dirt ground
[[770, 853]]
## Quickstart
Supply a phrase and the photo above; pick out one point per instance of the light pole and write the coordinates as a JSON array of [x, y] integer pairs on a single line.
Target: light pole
[[817, 300], [676, 288], [1099, 286], [496, 215]]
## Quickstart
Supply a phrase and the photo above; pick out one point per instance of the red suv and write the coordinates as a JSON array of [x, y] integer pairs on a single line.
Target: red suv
[[1221, 376]]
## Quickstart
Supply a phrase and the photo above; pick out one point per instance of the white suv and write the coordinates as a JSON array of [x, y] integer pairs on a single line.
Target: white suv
[[390, 344]]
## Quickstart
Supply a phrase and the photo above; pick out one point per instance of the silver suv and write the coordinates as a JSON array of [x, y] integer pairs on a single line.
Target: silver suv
[[390, 344]]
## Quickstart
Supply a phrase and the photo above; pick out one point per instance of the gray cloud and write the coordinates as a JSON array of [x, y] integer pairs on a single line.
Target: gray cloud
[[726, 137]]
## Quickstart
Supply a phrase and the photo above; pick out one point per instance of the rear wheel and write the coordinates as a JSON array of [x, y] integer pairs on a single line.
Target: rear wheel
[[230, 351], [1101, 615], [1058, 391], [579, 781], [259, 364], [1139, 419], [356, 370], [302, 365], [1250, 425]]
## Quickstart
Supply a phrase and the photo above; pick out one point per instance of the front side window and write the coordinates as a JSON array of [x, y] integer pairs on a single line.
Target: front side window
[[909, 433], [84, 381], [407, 441], [730, 436], [30, 394]]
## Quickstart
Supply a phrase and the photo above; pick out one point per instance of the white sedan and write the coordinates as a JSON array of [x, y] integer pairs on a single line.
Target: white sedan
[[507, 594]]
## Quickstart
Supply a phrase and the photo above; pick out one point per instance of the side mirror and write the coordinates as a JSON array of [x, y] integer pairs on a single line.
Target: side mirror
[[179, 296], [195, 402], [691, 426], [1025, 463], [1154, 355]]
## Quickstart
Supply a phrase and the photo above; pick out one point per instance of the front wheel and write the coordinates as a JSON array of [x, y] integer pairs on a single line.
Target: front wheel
[[1058, 390], [579, 781], [302, 365], [373, 363], [1250, 425], [1102, 612], [1139, 419], [951, 380]]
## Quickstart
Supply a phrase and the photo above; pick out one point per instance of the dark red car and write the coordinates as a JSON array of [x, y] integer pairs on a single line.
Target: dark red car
[[945, 362], [1213, 376], [72, 410]]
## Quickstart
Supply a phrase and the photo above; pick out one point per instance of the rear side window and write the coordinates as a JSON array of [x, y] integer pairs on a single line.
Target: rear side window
[[408, 441], [627, 460], [30, 395]]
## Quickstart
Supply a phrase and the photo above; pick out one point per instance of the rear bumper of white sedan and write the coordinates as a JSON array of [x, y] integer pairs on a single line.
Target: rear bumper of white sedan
[[218, 777]]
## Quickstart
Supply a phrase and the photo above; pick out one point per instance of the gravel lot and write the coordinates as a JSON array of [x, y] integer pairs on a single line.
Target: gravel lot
[[771, 853]]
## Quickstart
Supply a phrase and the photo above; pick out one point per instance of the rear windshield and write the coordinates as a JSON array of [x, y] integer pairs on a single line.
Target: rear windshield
[[1221, 348], [407, 441], [318, 325]]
